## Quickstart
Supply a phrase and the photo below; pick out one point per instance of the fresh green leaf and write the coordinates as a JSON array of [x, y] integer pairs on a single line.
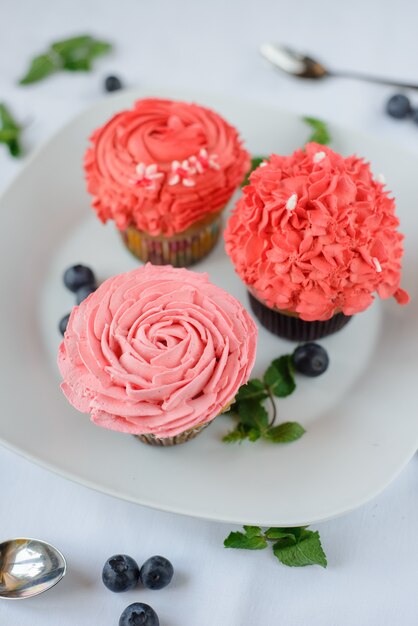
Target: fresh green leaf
[[77, 65], [40, 67], [307, 551], [9, 131], [66, 46], [320, 132], [253, 414], [243, 541], [286, 432], [83, 46], [8, 135], [74, 54], [295, 531], [253, 434], [7, 121], [253, 531], [98, 48], [279, 376], [280, 533], [14, 148], [255, 162], [238, 434], [253, 390]]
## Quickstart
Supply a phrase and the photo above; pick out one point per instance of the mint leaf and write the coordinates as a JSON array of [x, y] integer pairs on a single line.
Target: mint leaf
[[320, 131], [255, 162], [253, 390], [243, 541], [65, 47], [77, 65], [74, 54], [253, 414], [279, 376], [253, 434], [238, 434], [9, 131], [280, 533], [286, 432], [98, 48], [252, 531], [40, 67], [7, 135], [83, 46], [307, 551]]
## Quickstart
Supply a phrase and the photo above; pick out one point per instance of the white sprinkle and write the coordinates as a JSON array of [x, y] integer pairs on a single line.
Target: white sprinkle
[[140, 169], [263, 164], [292, 201], [188, 182], [381, 179], [377, 265], [319, 156], [174, 179]]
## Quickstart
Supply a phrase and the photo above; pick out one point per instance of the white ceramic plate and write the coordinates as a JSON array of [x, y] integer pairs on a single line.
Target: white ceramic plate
[[361, 416]]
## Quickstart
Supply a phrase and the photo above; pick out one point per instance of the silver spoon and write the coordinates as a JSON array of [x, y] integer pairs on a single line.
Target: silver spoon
[[303, 66], [29, 567]]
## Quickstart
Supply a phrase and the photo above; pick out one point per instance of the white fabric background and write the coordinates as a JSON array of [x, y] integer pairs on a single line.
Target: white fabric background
[[373, 566]]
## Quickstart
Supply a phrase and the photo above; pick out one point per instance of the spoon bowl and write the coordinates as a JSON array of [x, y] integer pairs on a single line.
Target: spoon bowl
[[293, 62], [29, 567], [303, 66]]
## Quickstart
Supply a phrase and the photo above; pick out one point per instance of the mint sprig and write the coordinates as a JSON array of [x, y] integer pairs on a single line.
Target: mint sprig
[[294, 547], [248, 407], [279, 377], [320, 132], [10, 131], [255, 162], [73, 54]]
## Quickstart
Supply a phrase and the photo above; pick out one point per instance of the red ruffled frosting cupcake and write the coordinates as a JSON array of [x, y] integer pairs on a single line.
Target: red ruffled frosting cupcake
[[163, 166], [314, 234], [157, 351]]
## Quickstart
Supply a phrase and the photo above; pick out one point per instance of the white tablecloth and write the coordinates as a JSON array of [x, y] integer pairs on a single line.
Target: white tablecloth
[[373, 565]]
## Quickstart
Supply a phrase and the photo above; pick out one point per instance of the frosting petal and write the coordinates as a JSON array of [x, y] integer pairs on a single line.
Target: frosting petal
[[314, 233], [163, 165], [156, 350]]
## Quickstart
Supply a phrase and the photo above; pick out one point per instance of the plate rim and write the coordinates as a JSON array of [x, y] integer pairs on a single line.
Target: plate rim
[[199, 96]]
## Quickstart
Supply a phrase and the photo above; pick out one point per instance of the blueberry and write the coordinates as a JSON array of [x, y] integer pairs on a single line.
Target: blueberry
[[398, 106], [139, 614], [112, 83], [84, 291], [156, 573], [63, 323], [120, 573], [310, 359], [77, 276]]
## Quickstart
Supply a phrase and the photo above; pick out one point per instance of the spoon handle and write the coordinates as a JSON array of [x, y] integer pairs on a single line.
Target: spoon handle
[[374, 79]]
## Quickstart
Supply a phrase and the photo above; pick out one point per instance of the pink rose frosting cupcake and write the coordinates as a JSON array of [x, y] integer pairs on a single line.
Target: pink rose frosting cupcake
[[314, 237], [157, 352], [164, 171]]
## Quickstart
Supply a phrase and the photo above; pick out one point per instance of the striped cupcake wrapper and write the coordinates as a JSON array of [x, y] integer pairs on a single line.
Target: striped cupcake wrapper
[[293, 328], [177, 251], [152, 440]]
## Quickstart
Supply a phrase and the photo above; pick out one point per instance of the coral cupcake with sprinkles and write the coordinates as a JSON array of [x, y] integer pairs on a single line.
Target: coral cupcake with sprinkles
[[315, 237], [164, 171], [157, 352]]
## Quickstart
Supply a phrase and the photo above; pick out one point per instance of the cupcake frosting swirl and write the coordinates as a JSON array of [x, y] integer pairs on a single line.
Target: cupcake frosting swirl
[[315, 234], [163, 166], [156, 350]]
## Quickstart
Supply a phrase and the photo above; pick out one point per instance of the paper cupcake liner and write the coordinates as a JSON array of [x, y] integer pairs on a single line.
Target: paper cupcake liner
[[293, 328], [181, 250], [152, 440]]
